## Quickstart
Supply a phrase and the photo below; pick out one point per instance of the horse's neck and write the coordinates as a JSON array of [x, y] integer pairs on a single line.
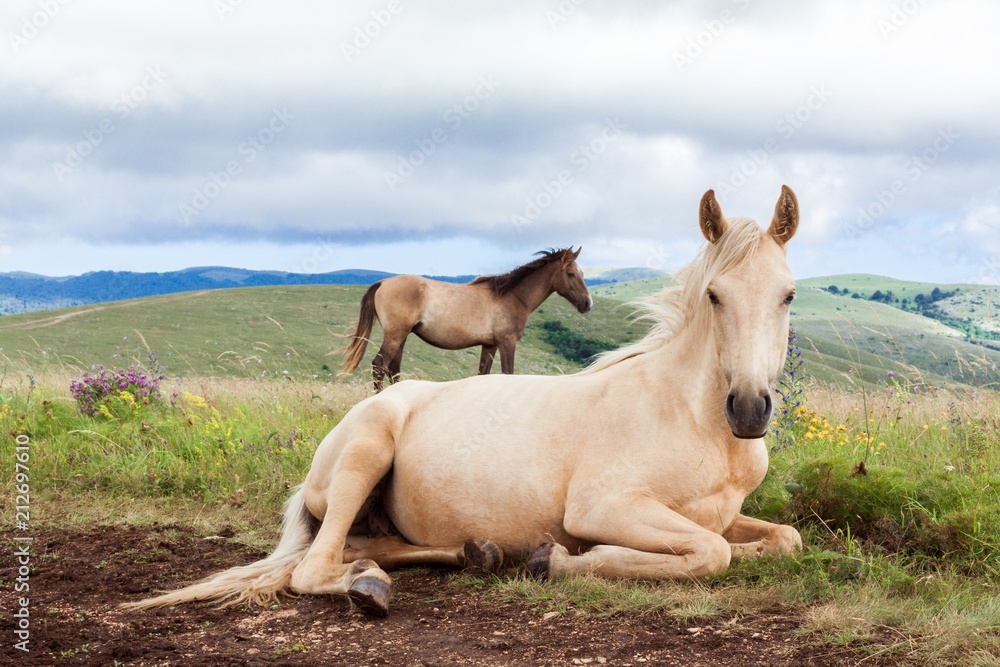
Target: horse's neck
[[535, 288], [689, 366]]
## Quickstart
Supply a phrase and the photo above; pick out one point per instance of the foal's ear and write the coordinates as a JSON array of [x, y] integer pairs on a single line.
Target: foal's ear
[[569, 256], [713, 223], [786, 217]]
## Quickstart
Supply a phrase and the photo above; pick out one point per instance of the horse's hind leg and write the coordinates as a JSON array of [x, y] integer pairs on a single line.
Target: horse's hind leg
[[480, 556], [396, 363], [348, 465], [392, 345]]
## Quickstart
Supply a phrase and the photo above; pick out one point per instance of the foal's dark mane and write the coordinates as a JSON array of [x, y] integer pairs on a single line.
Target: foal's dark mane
[[503, 283]]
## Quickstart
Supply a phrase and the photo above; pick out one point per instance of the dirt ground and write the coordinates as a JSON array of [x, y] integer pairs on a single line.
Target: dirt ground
[[79, 576]]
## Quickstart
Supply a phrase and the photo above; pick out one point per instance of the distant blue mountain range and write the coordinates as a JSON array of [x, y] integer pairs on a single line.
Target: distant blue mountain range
[[25, 292]]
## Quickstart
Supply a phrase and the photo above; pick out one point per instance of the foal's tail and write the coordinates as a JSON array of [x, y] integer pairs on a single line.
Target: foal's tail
[[356, 350], [259, 582]]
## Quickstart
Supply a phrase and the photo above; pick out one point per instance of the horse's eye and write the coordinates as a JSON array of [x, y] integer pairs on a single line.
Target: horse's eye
[[712, 298], [789, 298]]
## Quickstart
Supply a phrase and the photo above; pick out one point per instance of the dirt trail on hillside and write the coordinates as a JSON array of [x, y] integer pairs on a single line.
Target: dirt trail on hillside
[[56, 319]]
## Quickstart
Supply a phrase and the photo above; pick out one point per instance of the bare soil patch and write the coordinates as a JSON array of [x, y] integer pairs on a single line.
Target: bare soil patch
[[80, 576]]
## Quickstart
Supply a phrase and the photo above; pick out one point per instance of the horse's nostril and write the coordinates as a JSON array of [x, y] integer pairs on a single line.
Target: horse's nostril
[[767, 403], [731, 404]]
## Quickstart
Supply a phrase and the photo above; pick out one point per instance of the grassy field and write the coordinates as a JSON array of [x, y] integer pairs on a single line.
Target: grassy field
[[892, 481], [896, 494]]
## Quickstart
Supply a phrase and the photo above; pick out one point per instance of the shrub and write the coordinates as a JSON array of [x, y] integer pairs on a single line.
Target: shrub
[[572, 345], [129, 387], [791, 388]]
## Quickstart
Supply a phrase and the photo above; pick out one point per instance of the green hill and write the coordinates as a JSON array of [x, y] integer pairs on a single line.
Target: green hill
[[293, 329], [270, 330], [845, 338]]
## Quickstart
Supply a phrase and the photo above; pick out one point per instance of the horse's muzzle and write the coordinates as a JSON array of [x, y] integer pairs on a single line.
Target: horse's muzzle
[[748, 414], [586, 306]]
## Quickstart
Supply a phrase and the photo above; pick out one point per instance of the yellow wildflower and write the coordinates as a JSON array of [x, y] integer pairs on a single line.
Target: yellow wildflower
[[194, 399]]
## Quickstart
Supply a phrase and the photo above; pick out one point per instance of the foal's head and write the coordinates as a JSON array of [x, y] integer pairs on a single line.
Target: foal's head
[[750, 304], [568, 281]]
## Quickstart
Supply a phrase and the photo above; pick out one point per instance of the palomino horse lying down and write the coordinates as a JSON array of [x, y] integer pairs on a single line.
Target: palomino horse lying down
[[636, 467]]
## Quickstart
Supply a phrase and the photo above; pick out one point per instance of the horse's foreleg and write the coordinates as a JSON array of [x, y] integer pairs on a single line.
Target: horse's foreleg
[[637, 538], [486, 359], [507, 357], [752, 537]]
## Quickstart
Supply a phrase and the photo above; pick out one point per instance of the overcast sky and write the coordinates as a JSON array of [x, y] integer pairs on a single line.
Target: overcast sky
[[460, 137]]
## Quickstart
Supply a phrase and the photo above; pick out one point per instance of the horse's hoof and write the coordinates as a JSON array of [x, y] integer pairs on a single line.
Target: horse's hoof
[[482, 557], [371, 589], [538, 562]]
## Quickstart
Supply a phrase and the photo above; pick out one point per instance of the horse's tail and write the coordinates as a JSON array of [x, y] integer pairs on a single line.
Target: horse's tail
[[259, 582], [356, 350]]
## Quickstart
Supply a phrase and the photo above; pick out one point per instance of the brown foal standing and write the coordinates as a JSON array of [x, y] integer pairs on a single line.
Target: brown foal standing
[[491, 311]]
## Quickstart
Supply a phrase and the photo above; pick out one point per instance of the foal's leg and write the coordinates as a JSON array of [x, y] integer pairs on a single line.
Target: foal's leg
[[753, 537], [481, 556], [507, 356], [637, 538], [392, 343], [486, 359], [395, 364]]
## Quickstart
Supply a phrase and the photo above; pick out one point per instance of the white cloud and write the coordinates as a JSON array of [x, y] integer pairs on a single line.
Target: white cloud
[[892, 79]]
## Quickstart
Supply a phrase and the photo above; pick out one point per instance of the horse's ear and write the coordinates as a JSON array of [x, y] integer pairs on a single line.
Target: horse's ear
[[786, 217], [569, 256], [713, 223]]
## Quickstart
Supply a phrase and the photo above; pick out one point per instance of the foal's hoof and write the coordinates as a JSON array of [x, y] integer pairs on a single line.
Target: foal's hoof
[[482, 557], [538, 562], [371, 589]]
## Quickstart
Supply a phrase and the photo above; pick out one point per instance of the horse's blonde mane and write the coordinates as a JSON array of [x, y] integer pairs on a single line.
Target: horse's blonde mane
[[682, 303]]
